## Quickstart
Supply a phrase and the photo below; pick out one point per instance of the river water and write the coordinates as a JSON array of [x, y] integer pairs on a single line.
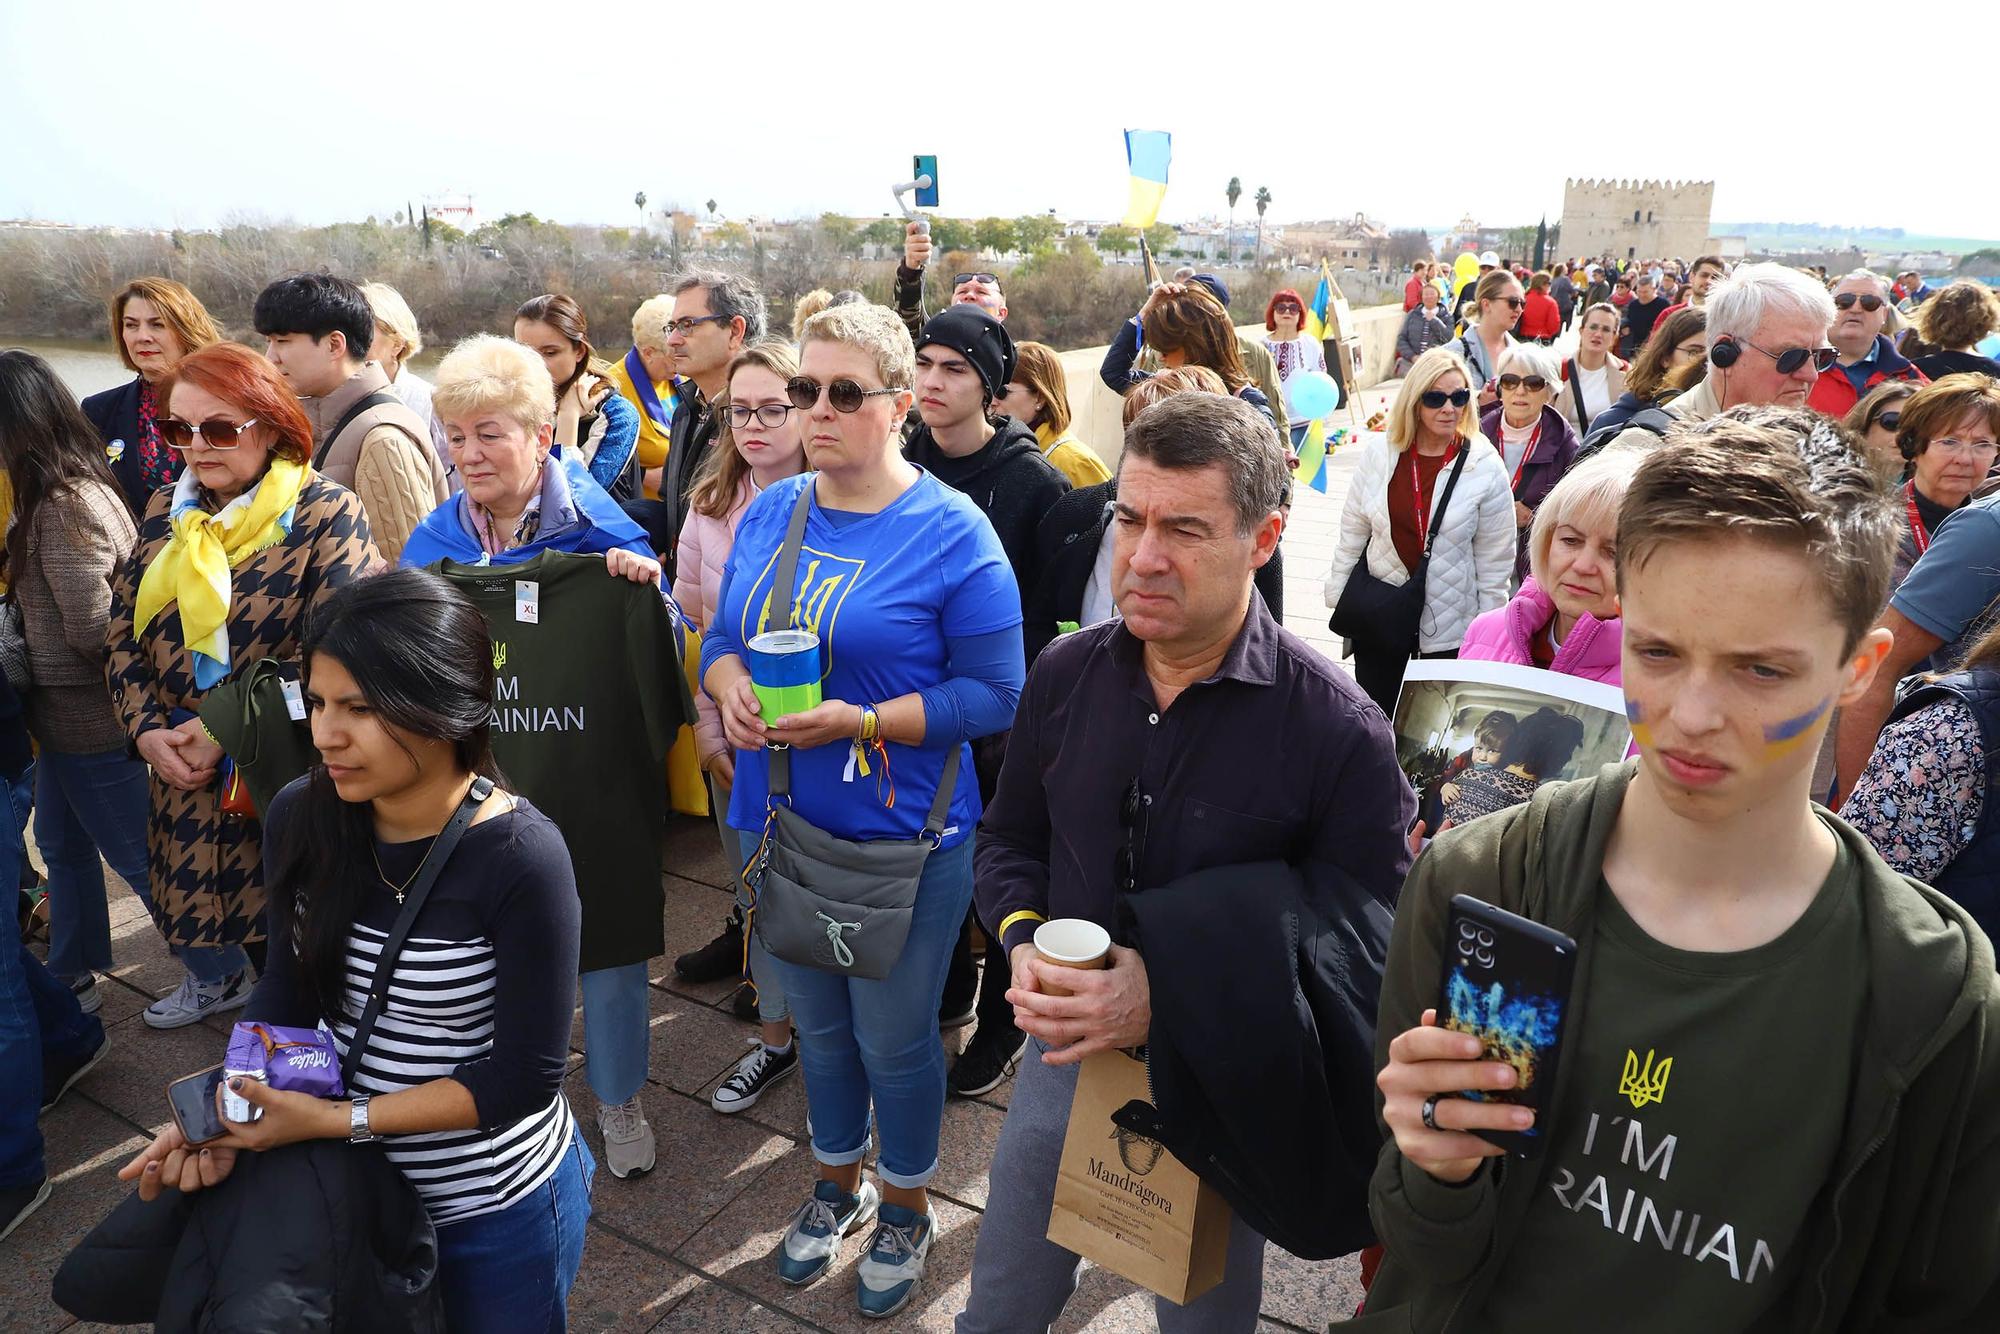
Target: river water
[[88, 367]]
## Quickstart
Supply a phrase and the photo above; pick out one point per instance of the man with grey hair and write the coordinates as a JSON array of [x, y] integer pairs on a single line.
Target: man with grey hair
[[1146, 755], [1861, 305], [1767, 343], [715, 314]]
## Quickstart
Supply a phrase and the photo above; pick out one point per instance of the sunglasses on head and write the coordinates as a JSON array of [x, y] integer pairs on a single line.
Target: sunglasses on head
[[217, 434], [1437, 398], [1846, 300], [845, 395], [1794, 357], [962, 279], [1533, 383]]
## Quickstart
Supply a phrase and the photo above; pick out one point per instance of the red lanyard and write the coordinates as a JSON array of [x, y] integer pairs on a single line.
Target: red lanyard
[[1417, 490], [1916, 519], [1526, 454]]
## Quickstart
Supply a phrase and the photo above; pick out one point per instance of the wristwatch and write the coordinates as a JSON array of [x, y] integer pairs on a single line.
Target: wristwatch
[[357, 1121]]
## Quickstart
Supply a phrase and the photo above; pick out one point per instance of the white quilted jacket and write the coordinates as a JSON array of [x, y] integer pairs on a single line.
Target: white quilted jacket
[[1472, 560]]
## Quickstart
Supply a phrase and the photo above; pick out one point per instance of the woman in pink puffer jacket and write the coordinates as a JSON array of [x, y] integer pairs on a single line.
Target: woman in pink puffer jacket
[[1565, 618]]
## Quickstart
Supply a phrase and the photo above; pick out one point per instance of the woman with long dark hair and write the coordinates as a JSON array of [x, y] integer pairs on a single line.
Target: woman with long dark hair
[[70, 534], [461, 1079], [592, 418]]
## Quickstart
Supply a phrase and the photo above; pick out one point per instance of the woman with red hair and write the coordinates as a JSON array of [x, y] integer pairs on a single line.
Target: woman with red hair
[[1292, 352], [230, 560]]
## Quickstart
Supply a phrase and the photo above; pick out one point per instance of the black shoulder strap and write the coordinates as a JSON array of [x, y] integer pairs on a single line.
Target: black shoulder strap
[[378, 399], [413, 903], [1444, 501], [1573, 373]]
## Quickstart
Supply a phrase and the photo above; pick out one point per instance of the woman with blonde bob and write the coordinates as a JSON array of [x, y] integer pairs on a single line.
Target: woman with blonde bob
[[1565, 618], [397, 339], [1392, 502], [1038, 396], [154, 323]]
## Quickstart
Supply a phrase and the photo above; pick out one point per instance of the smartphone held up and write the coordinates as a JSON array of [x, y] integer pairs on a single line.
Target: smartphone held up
[[1507, 983]]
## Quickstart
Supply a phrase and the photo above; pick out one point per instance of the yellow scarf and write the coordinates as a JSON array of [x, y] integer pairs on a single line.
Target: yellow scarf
[[193, 568]]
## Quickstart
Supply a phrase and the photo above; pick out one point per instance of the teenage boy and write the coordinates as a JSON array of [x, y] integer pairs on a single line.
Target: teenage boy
[[964, 360], [317, 330], [1645, 309], [1777, 1102]]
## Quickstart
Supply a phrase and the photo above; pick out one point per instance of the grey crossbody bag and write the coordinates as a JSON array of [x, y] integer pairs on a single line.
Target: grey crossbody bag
[[819, 900]]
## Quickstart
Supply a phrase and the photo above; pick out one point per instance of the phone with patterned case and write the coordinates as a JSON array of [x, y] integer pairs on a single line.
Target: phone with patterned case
[[1507, 983]]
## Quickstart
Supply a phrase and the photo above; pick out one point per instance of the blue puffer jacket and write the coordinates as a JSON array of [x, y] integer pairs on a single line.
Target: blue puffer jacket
[[577, 517]]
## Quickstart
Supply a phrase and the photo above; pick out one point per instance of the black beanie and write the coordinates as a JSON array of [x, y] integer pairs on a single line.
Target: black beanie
[[976, 336]]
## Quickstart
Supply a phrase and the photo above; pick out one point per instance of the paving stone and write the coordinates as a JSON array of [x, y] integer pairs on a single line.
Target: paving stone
[[713, 1307], [1309, 1293], [85, 1146], [623, 1287]]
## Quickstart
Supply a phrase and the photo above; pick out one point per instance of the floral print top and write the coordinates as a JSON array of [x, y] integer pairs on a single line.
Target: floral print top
[[1920, 798], [158, 466]]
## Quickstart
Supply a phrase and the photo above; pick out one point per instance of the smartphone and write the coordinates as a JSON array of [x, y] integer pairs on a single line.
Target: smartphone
[[194, 1105], [1507, 983], [925, 164]]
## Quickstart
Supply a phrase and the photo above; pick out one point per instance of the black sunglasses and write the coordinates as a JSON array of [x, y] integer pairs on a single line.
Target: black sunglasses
[[1535, 383], [961, 279], [1125, 870], [1437, 398], [845, 395], [1890, 420], [1794, 357], [1846, 300], [1513, 302]]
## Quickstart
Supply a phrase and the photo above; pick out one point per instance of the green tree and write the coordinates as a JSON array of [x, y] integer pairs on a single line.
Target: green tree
[[1263, 201], [1235, 192], [843, 234], [997, 235], [953, 234], [1981, 262], [731, 236], [884, 232], [1036, 231], [1161, 235], [1118, 239]]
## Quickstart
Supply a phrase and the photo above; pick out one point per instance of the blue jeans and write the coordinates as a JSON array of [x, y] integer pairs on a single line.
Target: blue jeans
[[617, 1031], [863, 1041], [38, 1017], [510, 1272]]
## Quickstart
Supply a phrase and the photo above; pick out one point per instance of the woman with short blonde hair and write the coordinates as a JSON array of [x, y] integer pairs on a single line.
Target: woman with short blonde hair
[[1393, 500]]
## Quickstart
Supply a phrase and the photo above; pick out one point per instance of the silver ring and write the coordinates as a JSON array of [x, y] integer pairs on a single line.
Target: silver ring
[[1430, 1113]]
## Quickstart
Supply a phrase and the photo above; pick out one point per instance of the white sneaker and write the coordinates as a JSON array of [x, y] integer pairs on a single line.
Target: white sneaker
[[894, 1264], [85, 990], [753, 1074], [628, 1139], [193, 1001]]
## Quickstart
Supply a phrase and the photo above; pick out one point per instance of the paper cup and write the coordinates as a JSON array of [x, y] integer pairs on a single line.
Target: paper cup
[[784, 671], [1071, 942]]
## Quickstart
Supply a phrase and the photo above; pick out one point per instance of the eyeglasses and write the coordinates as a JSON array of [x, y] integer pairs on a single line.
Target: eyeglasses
[[1437, 398], [1125, 869], [1890, 420], [962, 279], [1286, 308], [687, 324], [1846, 300], [1513, 302], [1970, 448], [1792, 358], [845, 395], [217, 434], [766, 415], [1691, 351], [1534, 384]]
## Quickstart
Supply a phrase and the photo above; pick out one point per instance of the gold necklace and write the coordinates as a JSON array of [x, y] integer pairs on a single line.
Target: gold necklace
[[400, 890]]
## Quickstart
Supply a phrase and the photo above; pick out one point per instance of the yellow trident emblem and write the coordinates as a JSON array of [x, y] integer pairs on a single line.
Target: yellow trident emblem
[[1645, 1084], [499, 656]]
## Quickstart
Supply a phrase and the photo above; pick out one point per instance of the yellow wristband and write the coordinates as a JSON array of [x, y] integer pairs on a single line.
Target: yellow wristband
[[1014, 917]]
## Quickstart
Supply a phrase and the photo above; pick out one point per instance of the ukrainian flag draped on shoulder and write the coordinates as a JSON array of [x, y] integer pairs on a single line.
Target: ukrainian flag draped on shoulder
[[1147, 153], [192, 569]]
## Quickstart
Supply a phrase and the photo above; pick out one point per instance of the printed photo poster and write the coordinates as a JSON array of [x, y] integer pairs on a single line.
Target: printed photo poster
[[1478, 737]]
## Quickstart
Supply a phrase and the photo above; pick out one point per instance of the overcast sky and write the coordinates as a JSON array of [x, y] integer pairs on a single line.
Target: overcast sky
[[189, 114]]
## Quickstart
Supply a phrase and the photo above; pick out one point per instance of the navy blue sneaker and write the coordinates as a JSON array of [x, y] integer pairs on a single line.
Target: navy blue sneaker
[[812, 1239], [894, 1264]]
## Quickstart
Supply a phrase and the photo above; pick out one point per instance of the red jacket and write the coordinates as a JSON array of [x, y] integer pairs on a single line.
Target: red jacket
[[1413, 294], [1540, 318], [1833, 393]]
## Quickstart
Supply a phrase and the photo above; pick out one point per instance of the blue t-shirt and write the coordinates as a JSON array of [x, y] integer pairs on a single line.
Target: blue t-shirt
[[884, 593], [1954, 587]]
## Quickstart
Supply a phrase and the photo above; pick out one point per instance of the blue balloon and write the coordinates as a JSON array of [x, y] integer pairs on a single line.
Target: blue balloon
[[1313, 395]]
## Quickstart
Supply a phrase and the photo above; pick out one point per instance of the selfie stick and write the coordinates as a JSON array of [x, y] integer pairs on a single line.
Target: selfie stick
[[909, 210]]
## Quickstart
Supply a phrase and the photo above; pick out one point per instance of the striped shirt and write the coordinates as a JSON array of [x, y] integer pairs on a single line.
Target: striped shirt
[[482, 994]]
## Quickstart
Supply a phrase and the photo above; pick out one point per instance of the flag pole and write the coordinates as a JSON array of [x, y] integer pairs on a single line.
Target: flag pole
[[1146, 256]]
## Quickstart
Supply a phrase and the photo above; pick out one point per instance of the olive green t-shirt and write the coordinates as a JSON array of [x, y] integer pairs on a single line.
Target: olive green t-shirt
[[1704, 1112]]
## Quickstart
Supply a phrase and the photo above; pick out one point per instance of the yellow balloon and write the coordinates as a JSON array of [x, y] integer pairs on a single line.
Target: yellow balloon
[[1466, 267]]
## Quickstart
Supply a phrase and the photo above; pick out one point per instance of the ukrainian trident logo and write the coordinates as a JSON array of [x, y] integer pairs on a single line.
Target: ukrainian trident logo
[[499, 656], [1647, 1083]]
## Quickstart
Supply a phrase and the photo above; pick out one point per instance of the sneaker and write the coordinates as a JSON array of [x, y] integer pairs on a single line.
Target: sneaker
[[193, 1001], [985, 1063], [744, 1003], [954, 1013], [60, 1076], [628, 1139], [719, 958], [753, 1074], [17, 1202], [812, 1239], [894, 1264], [85, 990]]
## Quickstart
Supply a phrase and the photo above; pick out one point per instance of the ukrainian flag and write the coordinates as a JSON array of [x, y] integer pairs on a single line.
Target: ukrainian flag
[[1319, 314], [1147, 151]]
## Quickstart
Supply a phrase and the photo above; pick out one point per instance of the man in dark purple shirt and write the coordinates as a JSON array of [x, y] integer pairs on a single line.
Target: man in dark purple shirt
[[1193, 733]]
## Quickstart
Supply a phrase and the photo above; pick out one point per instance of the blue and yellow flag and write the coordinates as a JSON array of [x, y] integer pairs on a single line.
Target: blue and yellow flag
[[1319, 313], [1147, 151]]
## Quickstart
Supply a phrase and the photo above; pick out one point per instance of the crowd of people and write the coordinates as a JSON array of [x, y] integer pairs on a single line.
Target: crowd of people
[[366, 685]]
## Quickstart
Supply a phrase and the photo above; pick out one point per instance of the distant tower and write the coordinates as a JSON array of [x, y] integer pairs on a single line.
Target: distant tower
[[1636, 219]]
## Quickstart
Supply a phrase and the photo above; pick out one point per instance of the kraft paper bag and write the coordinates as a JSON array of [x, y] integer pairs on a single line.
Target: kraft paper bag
[[1123, 1202]]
